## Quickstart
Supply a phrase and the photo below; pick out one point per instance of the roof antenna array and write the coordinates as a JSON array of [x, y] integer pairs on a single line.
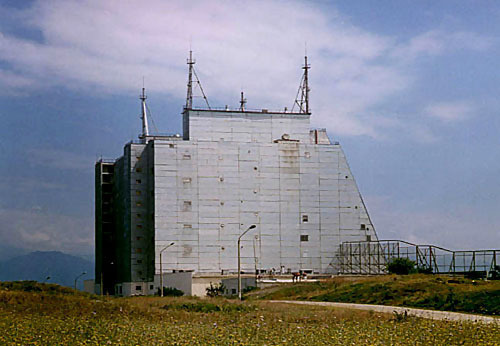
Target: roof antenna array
[[303, 101], [191, 72]]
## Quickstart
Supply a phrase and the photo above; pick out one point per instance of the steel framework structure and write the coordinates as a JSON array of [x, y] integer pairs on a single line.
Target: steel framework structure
[[372, 257]]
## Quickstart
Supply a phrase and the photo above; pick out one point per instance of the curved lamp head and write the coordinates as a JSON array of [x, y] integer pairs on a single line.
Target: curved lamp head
[[252, 227]]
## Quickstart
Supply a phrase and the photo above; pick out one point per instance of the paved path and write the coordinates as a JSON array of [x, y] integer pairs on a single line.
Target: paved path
[[432, 314]]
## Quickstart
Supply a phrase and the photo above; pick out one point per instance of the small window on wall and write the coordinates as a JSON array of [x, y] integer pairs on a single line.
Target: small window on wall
[[139, 204], [138, 181], [138, 288], [305, 218], [138, 215], [138, 169], [186, 157], [151, 287], [139, 226], [363, 226], [139, 261], [186, 225], [368, 238], [187, 206], [304, 237]]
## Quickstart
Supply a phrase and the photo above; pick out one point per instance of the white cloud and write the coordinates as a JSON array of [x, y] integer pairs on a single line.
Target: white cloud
[[435, 42], [450, 111], [107, 46], [36, 230]]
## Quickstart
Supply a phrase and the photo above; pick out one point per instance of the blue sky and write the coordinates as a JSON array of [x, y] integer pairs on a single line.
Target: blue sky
[[409, 88]]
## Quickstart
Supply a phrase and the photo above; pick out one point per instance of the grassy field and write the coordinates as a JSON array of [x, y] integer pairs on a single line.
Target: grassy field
[[47, 316], [417, 290]]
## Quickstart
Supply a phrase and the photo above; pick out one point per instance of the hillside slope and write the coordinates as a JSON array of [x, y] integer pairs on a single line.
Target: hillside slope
[[419, 290], [61, 268]]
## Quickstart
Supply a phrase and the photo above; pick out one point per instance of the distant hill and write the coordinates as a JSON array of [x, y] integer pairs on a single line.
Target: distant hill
[[61, 268]]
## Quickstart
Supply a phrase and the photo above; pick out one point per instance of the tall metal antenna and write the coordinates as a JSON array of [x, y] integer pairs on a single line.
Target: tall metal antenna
[[306, 83], [303, 102], [189, 97], [243, 100], [144, 117], [190, 94]]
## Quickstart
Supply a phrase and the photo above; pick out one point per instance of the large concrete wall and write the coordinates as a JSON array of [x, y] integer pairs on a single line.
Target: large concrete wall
[[257, 127], [302, 197], [232, 170]]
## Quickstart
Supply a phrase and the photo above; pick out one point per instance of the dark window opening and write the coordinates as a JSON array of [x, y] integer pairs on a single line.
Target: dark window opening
[[363, 226], [305, 218], [304, 237], [138, 288]]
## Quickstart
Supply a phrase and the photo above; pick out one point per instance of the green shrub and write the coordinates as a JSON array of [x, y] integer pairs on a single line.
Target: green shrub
[[215, 290], [171, 292], [401, 266]]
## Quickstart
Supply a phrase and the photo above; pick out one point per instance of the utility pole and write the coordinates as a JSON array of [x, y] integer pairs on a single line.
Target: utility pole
[[239, 259], [161, 268], [76, 279]]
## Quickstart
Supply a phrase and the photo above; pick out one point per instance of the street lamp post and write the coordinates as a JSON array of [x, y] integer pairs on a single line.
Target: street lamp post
[[161, 268], [76, 279], [239, 260]]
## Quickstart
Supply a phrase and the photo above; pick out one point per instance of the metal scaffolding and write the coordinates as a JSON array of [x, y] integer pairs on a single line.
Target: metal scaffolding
[[372, 257]]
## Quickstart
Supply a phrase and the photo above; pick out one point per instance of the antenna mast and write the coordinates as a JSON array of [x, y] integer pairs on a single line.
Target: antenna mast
[[189, 97], [192, 71], [243, 101], [306, 83], [303, 102], [144, 117]]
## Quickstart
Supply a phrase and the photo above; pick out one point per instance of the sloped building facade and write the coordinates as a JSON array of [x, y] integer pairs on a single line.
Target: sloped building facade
[[229, 170]]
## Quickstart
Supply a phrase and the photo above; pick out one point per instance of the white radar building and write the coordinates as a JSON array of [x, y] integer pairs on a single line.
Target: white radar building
[[189, 197]]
